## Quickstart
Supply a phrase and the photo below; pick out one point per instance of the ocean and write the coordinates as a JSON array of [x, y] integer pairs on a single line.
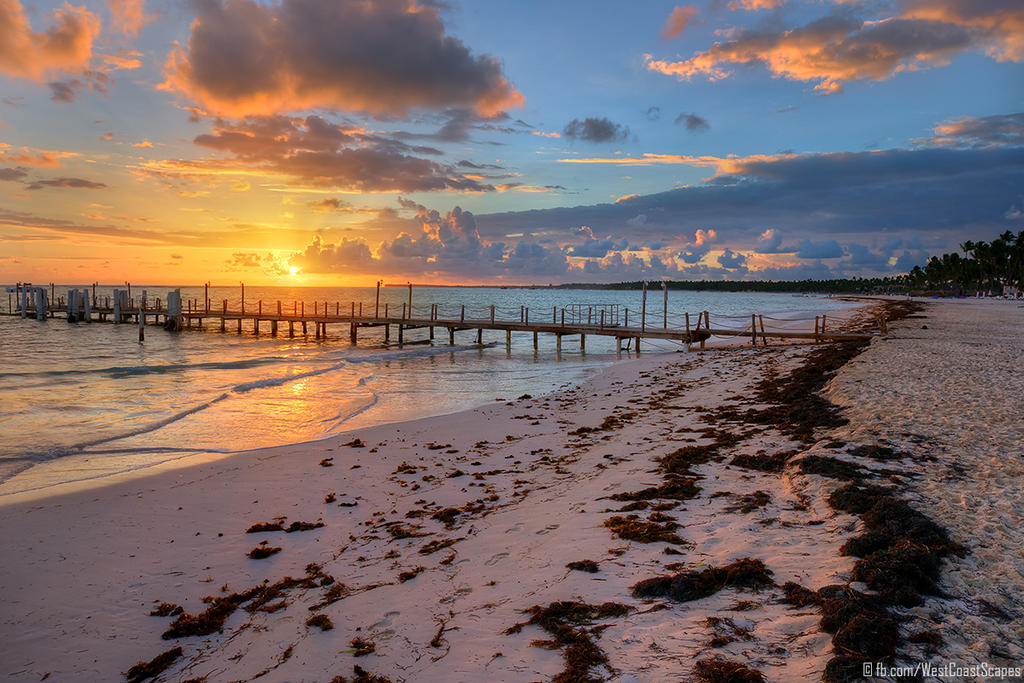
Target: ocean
[[83, 401]]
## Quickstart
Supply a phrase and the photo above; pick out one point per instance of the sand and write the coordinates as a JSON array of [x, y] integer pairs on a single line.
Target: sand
[[519, 491]]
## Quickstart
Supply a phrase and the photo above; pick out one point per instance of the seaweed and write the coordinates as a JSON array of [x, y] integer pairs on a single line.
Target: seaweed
[[562, 620], [262, 551], [718, 670], [361, 647], [411, 574], [724, 631], [361, 676], [355, 443], [153, 667], [441, 544], [632, 529], [320, 621], [830, 467], [326, 462], [588, 566], [303, 526], [689, 585], [398, 531], [761, 462], [166, 609], [260, 527], [680, 488], [749, 502], [447, 516]]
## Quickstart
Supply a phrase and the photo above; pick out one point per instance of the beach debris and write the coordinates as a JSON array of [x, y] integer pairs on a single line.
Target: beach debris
[[588, 566], [724, 631], [749, 502], [361, 676], [631, 528], [399, 531], [361, 647], [262, 551], [330, 498], [166, 609], [320, 621], [689, 585], [153, 667], [326, 462], [437, 446], [261, 527], [406, 468], [776, 462], [355, 443], [303, 526], [410, 574], [563, 621], [718, 670]]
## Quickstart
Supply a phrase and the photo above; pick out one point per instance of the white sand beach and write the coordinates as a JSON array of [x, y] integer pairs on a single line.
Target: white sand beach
[[438, 533]]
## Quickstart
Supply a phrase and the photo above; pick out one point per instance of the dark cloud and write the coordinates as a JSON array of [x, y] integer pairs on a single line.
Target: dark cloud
[[324, 154], [244, 57], [77, 183], [595, 129], [810, 249], [732, 260], [653, 113], [65, 91], [860, 255], [770, 242], [12, 174], [693, 123]]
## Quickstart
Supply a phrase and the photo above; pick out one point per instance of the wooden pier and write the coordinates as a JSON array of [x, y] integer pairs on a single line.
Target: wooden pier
[[279, 319]]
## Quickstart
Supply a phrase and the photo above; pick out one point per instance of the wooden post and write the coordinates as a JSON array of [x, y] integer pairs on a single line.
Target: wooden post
[[243, 297], [256, 326], [387, 327], [753, 330], [451, 336], [206, 296], [479, 336], [764, 337], [239, 326], [316, 325], [508, 340], [376, 305], [353, 334], [602, 318], [260, 312], [590, 315], [535, 340], [664, 287], [273, 328], [558, 338], [291, 328], [360, 309], [385, 310], [643, 309], [563, 317], [142, 325], [492, 314], [410, 300], [401, 332], [462, 314], [638, 346], [403, 318], [526, 315], [625, 323], [554, 314], [583, 343], [707, 328], [302, 312]]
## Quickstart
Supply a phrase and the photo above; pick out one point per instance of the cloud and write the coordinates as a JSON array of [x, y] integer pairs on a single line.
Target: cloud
[[129, 15], [12, 174], [732, 260], [818, 250], [1004, 130], [693, 123], [66, 44], [839, 48], [77, 183], [755, 4], [678, 19], [595, 129], [770, 242], [386, 57], [596, 248], [30, 156], [65, 91], [317, 152], [860, 255], [702, 240], [653, 113]]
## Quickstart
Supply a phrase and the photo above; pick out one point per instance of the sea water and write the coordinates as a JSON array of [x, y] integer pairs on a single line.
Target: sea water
[[84, 401]]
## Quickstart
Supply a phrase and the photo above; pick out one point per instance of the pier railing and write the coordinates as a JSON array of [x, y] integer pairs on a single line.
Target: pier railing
[[610, 320]]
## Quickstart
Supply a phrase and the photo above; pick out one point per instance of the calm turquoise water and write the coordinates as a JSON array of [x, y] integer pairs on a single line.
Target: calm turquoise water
[[81, 401]]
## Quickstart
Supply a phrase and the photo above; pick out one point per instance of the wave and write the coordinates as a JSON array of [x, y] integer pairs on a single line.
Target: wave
[[117, 372]]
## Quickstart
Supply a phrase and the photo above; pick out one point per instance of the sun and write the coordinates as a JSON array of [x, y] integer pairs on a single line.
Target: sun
[[293, 271]]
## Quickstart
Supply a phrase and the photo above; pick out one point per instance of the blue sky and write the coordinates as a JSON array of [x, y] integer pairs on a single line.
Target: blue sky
[[339, 142]]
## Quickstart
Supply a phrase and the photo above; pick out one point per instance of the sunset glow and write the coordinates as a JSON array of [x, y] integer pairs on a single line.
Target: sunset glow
[[343, 142]]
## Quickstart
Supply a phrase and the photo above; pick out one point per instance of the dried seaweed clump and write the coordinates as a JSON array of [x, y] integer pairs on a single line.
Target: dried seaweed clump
[[721, 671], [262, 551], [690, 585], [564, 621], [749, 502], [588, 566], [361, 676], [320, 621], [166, 609], [632, 528], [361, 648], [153, 667]]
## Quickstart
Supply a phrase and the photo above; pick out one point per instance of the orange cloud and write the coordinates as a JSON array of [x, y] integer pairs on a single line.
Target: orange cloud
[[124, 59], [837, 49], [730, 165], [129, 15], [29, 156], [65, 44], [677, 21], [247, 58]]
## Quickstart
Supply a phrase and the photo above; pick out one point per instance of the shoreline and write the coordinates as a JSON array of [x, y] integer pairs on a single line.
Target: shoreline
[[502, 497]]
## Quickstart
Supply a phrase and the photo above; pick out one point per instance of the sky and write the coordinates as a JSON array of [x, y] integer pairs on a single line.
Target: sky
[[340, 142]]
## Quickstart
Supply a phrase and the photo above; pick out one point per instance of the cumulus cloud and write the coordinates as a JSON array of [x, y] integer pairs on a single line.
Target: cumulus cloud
[[755, 4], [318, 152], [693, 123], [678, 19], [66, 44], [595, 129], [840, 48], [596, 248], [860, 255], [769, 242], [386, 57], [732, 260]]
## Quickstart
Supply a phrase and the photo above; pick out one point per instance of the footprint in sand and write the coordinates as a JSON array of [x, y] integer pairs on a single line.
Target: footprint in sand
[[386, 621], [547, 530], [496, 559], [518, 527]]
